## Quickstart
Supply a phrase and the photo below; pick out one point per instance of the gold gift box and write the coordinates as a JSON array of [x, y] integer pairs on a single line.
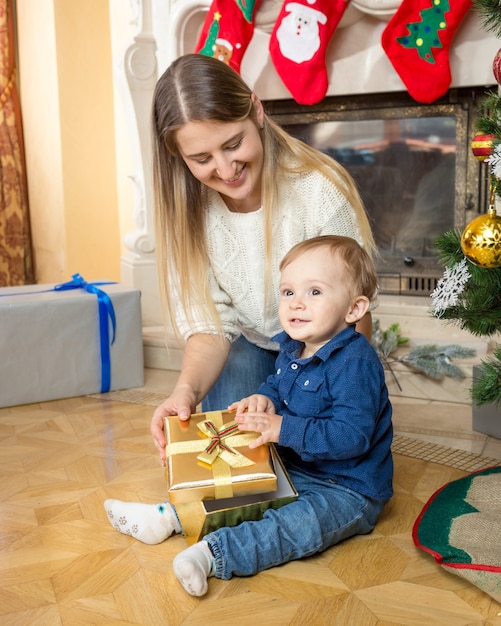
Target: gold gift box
[[200, 518], [209, 496], [232, 470]]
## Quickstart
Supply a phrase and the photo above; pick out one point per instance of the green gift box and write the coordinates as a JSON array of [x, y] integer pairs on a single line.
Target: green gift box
[[202, 517]]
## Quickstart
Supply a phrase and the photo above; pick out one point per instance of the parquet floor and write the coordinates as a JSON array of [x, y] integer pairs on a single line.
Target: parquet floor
[[62, 563]]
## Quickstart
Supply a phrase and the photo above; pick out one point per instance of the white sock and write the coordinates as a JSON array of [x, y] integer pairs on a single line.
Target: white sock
[[150, 523], [193, 566]]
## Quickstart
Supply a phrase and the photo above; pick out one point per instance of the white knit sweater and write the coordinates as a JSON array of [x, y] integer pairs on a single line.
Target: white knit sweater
[[310, 206]]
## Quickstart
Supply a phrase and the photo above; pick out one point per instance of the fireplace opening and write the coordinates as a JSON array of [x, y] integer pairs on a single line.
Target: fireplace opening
[[413, 166]]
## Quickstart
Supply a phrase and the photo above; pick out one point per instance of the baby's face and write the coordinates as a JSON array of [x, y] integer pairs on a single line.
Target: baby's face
[[314, 298]]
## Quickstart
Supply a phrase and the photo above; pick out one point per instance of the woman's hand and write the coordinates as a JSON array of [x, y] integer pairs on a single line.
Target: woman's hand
[[195, 380], [182, 403]]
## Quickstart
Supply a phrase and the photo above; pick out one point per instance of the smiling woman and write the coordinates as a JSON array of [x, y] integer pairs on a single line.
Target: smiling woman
[[233, 193]]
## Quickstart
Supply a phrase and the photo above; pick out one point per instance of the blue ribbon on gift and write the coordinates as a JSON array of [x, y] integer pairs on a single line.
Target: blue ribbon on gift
[[106, 314], [106, 310]]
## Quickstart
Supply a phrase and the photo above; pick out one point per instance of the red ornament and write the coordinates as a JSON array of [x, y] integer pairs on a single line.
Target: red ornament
[[482, 146], [496, 67]]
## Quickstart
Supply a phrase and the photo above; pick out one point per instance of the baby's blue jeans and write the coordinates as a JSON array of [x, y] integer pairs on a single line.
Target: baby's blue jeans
[[324, 514]]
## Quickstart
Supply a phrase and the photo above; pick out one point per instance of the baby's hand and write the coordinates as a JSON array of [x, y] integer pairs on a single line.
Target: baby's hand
[[254, 403], [268, 424]]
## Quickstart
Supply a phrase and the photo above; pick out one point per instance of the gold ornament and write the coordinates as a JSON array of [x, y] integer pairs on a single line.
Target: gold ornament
[[481, 240]]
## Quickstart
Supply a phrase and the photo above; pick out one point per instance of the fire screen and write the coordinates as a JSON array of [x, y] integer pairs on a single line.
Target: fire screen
[[413, 166]]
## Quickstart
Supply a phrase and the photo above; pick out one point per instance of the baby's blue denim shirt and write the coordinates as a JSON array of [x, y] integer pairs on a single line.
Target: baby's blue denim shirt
[[336, 412]]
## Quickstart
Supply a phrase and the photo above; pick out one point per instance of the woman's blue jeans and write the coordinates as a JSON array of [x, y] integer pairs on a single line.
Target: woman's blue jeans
[[324, 514], [246, 368]]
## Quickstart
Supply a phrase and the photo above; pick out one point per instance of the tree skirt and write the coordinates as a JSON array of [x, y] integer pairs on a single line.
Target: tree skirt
[[460, 526]]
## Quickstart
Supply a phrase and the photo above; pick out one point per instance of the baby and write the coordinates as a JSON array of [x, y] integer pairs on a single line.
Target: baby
[[327, 410]]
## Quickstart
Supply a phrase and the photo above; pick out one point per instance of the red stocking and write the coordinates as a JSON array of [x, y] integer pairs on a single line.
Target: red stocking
[[227, 30], [417, 41], [299, 42]]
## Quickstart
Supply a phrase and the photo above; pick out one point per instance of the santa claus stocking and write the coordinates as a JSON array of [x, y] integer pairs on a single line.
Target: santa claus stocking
[[299, 42], [227, 30], [417, 41]]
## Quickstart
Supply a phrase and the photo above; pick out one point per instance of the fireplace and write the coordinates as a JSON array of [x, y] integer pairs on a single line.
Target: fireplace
[[413, 166]]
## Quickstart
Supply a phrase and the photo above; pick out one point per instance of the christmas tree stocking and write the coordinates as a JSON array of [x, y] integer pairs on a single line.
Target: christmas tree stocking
[[227, 30], [417, 41], [299, 42]]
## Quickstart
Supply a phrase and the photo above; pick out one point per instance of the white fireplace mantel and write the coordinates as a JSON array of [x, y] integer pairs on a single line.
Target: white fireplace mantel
[[356, 64]]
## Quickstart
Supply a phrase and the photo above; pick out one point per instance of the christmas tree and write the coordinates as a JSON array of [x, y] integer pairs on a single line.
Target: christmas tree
[[469, 294]]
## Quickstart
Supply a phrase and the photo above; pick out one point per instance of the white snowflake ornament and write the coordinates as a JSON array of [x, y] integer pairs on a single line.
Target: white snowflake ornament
[[494, 160], [450, 287]]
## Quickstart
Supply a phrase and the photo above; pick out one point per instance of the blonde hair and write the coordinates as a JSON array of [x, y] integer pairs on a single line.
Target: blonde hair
[[200, 88], [359, 271]]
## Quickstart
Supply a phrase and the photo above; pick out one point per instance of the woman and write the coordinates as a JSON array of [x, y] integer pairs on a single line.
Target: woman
[[234, 192]]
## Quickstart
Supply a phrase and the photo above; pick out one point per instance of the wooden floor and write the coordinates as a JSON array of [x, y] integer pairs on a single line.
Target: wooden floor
[[62, 563]]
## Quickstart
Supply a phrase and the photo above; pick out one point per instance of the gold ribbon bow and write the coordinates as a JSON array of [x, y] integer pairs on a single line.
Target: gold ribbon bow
[[217, 455], [218, 448]]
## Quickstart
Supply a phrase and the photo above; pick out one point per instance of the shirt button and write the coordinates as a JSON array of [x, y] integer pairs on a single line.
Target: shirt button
[[294, 366], [279, 370], [306, 383]]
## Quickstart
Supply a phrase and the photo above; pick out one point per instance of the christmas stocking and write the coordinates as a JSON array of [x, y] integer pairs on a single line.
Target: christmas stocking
[[417, 41], [227, 30], [299, 42]]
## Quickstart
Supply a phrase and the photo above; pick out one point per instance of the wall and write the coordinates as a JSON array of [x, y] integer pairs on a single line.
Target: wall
[[66, 90], [87, 71]]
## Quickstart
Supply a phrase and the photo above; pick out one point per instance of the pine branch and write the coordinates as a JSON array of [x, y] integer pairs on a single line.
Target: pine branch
[[435, 361], [448, 247], [479, 307], [431, 360], [385, 342], [489, 14], [489, 120], [486, 387], [479, 322]]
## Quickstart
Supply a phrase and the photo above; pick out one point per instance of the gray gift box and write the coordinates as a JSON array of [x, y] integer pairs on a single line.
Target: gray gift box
[[50, 343]]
